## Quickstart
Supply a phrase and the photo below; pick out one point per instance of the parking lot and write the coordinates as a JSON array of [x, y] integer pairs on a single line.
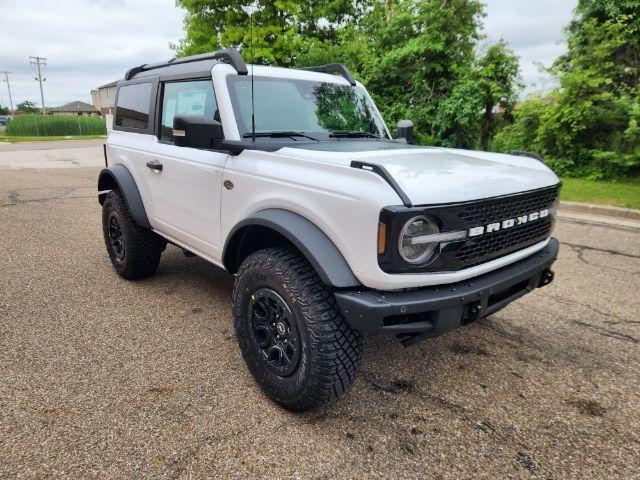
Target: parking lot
[[104, 378]]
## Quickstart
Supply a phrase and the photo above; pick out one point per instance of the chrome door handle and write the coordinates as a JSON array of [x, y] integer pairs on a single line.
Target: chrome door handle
[[154, 165]]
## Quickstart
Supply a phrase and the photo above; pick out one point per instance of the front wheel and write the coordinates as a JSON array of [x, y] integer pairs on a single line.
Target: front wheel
[[134, 251], [291, 333]]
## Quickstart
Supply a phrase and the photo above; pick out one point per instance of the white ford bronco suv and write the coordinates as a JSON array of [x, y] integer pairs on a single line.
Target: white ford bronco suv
[[290, 180]]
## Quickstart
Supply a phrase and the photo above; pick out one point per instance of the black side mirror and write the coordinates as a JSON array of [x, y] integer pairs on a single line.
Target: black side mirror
[[405, 131], [197, 131]]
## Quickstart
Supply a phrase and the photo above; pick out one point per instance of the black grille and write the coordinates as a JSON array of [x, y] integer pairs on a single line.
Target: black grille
[[495, 244], [491, 244], [488, 211], [463, 216]]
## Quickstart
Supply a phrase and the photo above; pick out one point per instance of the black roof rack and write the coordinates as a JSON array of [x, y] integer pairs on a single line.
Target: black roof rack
[[231, 55], [334, 68]]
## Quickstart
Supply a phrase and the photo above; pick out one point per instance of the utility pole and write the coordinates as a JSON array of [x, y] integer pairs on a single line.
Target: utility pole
[[39, 61], [6, 79]]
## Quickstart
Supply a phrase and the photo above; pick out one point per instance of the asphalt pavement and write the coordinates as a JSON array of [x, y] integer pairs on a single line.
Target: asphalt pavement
[[105, 378]]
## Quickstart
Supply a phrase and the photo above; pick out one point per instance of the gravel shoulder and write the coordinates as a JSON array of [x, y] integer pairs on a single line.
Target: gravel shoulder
[[104, 378]]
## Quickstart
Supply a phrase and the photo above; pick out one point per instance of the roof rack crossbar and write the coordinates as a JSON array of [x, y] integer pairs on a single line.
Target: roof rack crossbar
[[334, 68], [231, 55]]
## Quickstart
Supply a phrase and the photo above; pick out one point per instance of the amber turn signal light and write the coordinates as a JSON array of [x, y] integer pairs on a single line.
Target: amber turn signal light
[[382, 238]]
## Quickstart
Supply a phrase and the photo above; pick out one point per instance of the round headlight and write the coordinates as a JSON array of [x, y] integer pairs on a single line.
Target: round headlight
[[410, 246]]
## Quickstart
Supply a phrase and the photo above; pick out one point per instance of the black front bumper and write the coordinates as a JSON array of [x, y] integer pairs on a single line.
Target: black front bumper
[[432, 311]]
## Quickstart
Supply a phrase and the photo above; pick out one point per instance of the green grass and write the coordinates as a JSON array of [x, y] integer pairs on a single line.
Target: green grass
[[13, 139], [623, 193], [52, 125]]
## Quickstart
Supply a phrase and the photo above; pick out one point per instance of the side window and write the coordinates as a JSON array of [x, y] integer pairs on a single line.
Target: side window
[[185, 98], [132, 110]]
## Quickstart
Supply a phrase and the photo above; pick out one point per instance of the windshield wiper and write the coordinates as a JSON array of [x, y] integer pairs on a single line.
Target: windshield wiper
[[353, 134], [278, 134]]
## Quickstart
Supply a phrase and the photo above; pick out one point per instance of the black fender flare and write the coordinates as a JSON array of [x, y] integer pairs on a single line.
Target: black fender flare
[[119, 176], [309, 239]]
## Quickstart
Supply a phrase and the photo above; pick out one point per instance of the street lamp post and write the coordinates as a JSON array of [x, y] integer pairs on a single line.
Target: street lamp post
[[38, 61]]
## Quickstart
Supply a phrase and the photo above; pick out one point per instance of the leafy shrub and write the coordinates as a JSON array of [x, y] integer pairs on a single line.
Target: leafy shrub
[[521, 134], [590, 125], [45, 126]]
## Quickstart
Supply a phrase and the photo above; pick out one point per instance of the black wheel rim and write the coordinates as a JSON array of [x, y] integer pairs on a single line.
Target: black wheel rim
[[116, 237], [275, 331]]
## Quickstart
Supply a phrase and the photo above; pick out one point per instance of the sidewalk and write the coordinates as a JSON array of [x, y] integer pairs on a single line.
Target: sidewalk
[[584, 213], [600, 210]]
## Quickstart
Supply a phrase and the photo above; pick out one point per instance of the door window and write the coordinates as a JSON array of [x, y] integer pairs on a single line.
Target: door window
[[132, 110], [186, 98]]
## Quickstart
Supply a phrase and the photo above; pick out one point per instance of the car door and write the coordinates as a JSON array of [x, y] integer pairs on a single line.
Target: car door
[[185, 183]]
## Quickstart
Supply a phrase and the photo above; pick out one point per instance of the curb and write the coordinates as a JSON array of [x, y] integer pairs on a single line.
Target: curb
[[590, 209]]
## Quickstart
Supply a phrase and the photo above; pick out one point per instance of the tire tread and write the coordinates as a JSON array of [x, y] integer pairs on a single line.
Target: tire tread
[[143, 246], [337, 345]]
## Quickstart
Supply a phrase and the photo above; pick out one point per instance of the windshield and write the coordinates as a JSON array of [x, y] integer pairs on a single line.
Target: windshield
[[290, 105]]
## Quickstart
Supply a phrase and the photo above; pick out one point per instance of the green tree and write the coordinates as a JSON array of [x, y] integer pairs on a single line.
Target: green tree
[[411, 54], [457, 119], [492, 82], [521, 134], [282, 29], [590, 126], [417, 52], [593, 127], [4, 110], [498, 77], [418, 59], [27, 107]]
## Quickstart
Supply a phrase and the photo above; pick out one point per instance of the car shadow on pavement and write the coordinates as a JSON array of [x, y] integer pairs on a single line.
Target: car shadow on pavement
[[390, 372], [194, 280], [193, 274]]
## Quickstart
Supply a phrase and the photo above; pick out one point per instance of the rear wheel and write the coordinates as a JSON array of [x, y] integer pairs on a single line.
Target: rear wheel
[[291, 333], [134, 251]]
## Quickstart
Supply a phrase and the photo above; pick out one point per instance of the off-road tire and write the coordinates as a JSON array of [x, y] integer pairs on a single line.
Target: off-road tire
[[142, 247], [331, 350]]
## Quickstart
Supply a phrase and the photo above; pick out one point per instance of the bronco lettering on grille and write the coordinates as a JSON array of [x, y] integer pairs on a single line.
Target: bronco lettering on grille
[[508, 223]]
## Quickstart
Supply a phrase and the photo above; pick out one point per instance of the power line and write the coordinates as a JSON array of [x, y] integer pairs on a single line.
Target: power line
[[39, 62], [6, 79]]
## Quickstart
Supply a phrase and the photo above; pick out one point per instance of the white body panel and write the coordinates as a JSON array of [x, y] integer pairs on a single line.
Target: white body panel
[[187, 204], [344, 203], [131, 150], [442, 175], [185, 196]]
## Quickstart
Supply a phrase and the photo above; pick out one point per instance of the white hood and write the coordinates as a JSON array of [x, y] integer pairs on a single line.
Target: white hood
[[442, 175]]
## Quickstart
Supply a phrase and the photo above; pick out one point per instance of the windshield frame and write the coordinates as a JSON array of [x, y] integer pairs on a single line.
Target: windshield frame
[[244, 131]]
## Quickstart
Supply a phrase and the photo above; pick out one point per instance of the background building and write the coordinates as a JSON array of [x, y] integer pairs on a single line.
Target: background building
[[75, 108], [104, 98]]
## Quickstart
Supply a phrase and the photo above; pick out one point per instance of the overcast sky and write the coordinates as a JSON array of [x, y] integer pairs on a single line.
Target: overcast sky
[[92, 42]]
